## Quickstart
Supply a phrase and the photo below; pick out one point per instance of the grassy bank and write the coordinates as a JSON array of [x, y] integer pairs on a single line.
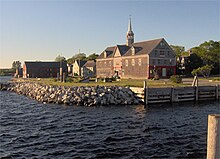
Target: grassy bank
[[123, 82]]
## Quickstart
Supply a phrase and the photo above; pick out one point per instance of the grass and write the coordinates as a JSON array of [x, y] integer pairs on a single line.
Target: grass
[[123, 82]]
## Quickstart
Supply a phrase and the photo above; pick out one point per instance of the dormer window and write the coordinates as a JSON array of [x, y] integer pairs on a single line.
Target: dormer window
[[132, 51]]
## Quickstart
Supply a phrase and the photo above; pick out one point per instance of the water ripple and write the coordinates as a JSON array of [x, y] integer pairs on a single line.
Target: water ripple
[[29, 129]]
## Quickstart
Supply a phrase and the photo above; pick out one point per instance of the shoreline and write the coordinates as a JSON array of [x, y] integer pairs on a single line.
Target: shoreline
[[76, 95]]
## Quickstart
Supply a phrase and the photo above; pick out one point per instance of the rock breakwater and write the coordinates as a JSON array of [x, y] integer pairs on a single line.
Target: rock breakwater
[[83, 95]]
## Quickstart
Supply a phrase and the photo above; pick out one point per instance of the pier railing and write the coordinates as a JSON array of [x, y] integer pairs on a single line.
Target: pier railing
[[177, 94]]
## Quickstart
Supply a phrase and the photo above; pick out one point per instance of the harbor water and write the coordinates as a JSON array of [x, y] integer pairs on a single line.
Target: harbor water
[[29, 129]]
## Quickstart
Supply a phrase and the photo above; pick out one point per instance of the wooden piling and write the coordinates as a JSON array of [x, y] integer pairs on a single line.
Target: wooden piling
[[196, 93], [172, 95], [216, 93], [145, 93], [213, 137], [64, 77]]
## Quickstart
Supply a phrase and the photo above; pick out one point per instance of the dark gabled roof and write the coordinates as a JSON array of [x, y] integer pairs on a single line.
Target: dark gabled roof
[[80, 63], [33, 64], [144, 47], [90, 63], [109, 52], [123, 49]]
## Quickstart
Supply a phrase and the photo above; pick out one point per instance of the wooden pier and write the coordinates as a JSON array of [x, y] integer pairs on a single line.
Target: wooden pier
[[177, 94]]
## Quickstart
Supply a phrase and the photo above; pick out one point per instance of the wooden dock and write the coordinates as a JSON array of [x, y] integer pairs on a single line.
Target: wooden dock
[[177, 94]]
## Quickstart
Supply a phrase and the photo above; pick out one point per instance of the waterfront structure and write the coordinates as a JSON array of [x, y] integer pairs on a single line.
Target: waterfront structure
[[77, 65], [43, 69], [89, 69], [143, 59]]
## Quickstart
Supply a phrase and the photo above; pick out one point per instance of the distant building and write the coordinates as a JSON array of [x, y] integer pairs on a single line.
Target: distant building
[[18, 72], [77, 65], [43, 69], [89, 69], [70, 68], [137, 59]]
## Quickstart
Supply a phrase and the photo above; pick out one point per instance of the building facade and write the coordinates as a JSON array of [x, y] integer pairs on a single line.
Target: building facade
[[137, 59], [43, 69], [77, 67], [89, 69]]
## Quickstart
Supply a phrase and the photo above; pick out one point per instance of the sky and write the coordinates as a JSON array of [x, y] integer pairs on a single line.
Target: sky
[[40, 30]]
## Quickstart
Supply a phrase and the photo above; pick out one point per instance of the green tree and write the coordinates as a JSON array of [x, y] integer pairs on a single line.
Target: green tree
[[194, 62], [79, 56], [92, 56], [209, 53], [16, 64], [178, 50], [60, 58], [204, 71]]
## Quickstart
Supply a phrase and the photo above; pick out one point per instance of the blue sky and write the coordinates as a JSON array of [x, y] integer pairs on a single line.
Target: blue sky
[[41, 30]]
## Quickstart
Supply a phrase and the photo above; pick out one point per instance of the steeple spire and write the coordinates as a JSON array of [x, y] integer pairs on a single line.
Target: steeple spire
[[129, 24], [130, 34]]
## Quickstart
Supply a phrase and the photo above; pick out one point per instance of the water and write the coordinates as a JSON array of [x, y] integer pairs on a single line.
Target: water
[[29, 129]]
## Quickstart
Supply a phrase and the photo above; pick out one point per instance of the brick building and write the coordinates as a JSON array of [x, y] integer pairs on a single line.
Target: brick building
[[43, 69], [137, 59]]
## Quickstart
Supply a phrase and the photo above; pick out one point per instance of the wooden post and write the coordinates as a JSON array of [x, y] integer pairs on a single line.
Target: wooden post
[[216, 95], [58, 76], [145, 83], [64, 77], [61, 74], [197, 93], [172, 95], [213, 136], [197, 88], [145, 93]]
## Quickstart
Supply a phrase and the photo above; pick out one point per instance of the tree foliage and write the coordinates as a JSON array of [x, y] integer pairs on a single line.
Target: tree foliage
[[79, 56], [60, 58], [194, 62], [178, 50], [92, 56], [204, 71], [16, 64], [209, 54], [82, 56]]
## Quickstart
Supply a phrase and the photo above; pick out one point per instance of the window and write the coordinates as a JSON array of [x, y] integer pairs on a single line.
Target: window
[[133, 51], [133, 62], [162, 44], [159, 61], [139, 62], [153, 61], [168, 53], [126, 63], [165, 62], [162, 54]]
